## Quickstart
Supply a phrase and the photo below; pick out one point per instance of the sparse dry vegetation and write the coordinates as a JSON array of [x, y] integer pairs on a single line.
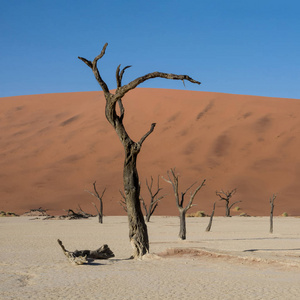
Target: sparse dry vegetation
[[7, 214]]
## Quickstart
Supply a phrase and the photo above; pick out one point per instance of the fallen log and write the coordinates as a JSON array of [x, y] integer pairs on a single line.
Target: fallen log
[[80, 257]]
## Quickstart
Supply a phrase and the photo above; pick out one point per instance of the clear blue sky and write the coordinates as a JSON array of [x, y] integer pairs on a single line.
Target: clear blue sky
[[236, 46]]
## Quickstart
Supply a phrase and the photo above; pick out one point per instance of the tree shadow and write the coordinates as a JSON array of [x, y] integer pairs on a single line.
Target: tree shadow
[[255, 250], [96, 263]]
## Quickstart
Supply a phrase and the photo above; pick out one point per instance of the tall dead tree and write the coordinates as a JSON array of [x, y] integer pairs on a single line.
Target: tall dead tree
[[225, 196], [180, 200], [138, 233], [154, 199], [100, 198], [272, 199]]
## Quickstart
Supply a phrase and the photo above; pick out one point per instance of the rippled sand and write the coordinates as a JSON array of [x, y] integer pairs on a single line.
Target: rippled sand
[[238, 259]]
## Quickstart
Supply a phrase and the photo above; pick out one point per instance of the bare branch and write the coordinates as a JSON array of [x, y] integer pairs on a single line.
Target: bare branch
[[234, 203], [149, 187], [93, 66], [174, 184], [144, 205], [119, 75], [87, 62], [133, 84], [153, 209], [183, 194], [94, 184], [147, 134], [96, 208], [99, 56], [194, 194]]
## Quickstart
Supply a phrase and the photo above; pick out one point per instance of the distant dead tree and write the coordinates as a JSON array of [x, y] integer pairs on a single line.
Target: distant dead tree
[[180, 200], [272, 199], [225, 196], [138, 233], [211, 218], [100, 198], [154, 199]]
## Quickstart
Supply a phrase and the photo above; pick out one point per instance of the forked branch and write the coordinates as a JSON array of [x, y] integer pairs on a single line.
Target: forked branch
[[122, 90], [147, 134]]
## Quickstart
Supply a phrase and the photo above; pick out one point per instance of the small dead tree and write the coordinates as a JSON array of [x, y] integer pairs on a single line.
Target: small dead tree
[[225, 196], [100, 198], [180, 200], [272, 199], [138, 233], [211, 218], [154, 199]]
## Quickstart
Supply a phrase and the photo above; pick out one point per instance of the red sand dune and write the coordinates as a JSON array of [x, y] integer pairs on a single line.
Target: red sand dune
[[55, 146]]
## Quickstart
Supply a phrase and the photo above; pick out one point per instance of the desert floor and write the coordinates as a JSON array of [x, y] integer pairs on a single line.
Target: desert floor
[[238, 259]]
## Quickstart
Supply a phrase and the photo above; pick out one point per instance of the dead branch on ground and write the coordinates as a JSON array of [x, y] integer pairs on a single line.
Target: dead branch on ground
[[80, 257]]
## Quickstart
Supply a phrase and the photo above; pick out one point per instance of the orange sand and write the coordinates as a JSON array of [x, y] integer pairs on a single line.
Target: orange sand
[[54, 146]]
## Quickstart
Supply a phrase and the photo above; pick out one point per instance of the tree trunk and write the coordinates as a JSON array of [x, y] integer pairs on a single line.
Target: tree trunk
[[227, 210], [271, 212], [148, 217], [182, 231], [271, 217], [211, 218], [138, 233], [100, 218]]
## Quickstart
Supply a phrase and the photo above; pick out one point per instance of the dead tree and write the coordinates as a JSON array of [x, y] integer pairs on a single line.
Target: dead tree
[[138, 233], [272, 199], [100, 198], [225, 196], [80, 257], [154, 199], [211, 218], [179, 202]]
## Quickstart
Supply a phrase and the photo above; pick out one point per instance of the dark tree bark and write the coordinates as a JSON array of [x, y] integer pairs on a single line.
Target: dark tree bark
[[211, 218], [100, 198], [154, 199], [225, 196], [272, 199], [180, 200], [138, 234]]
